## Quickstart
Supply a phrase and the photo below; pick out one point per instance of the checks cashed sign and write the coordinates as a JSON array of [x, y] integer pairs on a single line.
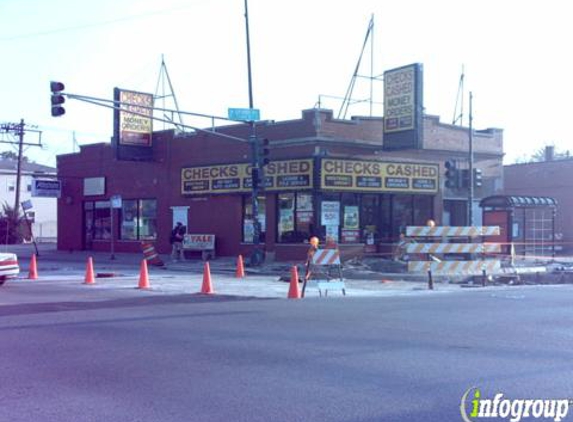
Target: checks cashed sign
[[236, 178], [377, 176]]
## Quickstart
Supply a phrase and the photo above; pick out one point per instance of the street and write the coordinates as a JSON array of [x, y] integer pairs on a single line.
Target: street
[[195, 358]]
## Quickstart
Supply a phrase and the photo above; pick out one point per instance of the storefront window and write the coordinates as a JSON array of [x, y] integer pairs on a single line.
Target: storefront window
[[248, 227], [88, 222], [148, 218], [402, 214], [350, 232], [369, 215], [101, 221], [423, 209], [129, 220], [296, 217], [138, 219]]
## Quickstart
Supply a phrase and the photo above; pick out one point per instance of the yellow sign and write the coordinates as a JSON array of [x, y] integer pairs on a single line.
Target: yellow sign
[[399, 99], [135, 129], [375, 176], [236, 178]]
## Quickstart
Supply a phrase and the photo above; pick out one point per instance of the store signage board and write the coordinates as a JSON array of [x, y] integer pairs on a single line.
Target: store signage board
[[403, 106], [116, 201], [46, 188], [376, 176], [236, 178], [330, 213], [244, 114], [94, 186]]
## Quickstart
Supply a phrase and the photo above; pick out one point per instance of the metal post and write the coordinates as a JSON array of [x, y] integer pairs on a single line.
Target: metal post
[[30, 230], [256, 257], [471, 168], [430, 281], [112, 245], [483, 278], [19, 166], [249, 57]]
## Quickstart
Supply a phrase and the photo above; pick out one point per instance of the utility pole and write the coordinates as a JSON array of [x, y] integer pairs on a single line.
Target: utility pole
[[257, 256], [20, 130], [471, 167]]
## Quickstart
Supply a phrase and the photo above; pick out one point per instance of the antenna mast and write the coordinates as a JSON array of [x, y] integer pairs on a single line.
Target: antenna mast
[[163, 78], [348, 97], [460, 101]]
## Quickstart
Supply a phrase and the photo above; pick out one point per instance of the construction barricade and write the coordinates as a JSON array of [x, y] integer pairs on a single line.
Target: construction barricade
[[151, 255], [324, 272], [444, 252]]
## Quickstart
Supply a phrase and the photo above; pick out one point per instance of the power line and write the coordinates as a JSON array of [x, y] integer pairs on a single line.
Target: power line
[[91, 25]]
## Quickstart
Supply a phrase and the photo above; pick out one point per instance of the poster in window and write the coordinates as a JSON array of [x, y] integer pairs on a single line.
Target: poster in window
[[350, 236], [351, 217], [304, 202], [286, 221], [332, 232], [330, 213], [304, 217], [249, 231]]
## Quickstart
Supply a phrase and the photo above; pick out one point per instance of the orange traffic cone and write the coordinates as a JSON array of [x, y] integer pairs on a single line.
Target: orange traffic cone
[[89, 278], [33, 273], [207, 287], [143, 276], [240, 273], [293, 292]]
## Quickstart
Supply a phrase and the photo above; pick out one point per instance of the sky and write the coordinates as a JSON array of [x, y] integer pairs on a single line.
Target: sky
[[514, 55]]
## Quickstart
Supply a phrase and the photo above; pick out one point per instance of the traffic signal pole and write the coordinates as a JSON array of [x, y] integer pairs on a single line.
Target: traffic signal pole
[[471, 169], [257, 255]]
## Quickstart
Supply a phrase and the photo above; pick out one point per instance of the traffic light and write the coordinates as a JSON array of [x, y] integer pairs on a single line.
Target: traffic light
[[264, 153], [478, 178], [255, 175], [452, 174], [465, 178], [57, 99]]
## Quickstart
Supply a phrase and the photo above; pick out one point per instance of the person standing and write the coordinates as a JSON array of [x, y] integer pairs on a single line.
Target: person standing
[[176, 241]]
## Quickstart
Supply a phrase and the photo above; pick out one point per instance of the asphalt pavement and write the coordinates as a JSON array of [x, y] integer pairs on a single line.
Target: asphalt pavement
[[173, 358]]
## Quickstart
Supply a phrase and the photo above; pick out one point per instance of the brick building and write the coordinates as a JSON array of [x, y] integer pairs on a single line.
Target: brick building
[[326, 177]]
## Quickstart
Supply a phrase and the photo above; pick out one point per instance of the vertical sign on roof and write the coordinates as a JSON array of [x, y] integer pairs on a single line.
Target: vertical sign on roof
[[133, 125], [403, 108]]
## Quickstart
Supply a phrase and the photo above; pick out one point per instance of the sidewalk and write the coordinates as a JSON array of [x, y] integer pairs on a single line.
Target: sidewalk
[[267, 281]]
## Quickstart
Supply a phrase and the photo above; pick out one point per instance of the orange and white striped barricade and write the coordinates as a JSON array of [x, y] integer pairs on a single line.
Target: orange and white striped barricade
[[325, 272], [151, 255], [445, 243]]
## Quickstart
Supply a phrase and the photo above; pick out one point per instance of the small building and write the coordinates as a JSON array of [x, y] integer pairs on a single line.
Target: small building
[[527, 223], [551, 178], [326, 177], [43, 214]]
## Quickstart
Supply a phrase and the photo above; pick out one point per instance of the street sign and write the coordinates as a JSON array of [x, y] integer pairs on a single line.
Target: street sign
[[245, 114], [46, 188], [116, 201], [27, 205]]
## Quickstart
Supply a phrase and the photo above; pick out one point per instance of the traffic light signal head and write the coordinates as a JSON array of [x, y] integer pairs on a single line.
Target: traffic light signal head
[[452, 174], [264, 155], [478, 178], [255, 177], [57, 98]]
